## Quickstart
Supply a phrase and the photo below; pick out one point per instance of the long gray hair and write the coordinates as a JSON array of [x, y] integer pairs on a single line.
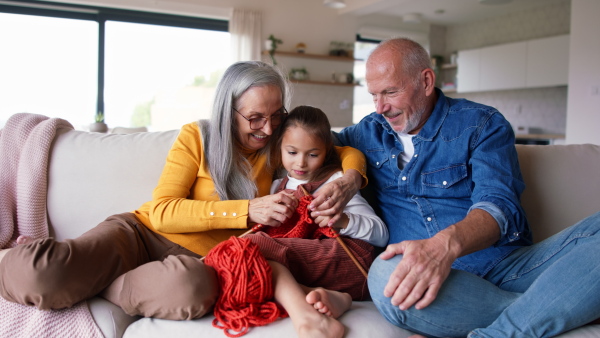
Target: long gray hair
[[229, 169]]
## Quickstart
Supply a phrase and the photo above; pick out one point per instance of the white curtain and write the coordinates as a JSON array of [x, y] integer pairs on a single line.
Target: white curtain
[[246, 41]]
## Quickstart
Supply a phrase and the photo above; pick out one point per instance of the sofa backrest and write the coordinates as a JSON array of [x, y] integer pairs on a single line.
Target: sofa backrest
[[562, 185], [92, 176]]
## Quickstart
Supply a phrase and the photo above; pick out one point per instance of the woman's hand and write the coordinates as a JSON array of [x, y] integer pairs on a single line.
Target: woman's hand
[[273, 209], [331, 199]]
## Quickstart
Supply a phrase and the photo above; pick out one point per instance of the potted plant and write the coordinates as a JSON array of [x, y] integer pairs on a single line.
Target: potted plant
[[99, 126], [271, 45], [299, 74]]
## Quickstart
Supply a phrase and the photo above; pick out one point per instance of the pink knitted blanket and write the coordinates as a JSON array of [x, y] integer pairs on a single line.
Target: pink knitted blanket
[[25, 144]]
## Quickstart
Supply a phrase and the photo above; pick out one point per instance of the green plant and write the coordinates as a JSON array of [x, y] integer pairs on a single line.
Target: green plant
[[299, 73], [274, 42], [99, 117]]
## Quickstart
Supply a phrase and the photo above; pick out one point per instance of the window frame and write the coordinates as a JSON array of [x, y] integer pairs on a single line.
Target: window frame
[[103, 14]]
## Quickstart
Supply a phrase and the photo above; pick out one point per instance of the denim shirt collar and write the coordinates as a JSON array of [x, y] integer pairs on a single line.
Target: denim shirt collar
[[435, 121], [433, 124]]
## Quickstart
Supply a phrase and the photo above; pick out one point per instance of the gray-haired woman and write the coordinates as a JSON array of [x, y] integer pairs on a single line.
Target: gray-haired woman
[[215, 184]]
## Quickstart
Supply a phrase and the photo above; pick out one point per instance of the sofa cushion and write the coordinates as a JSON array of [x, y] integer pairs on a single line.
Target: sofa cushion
[[111, 319], [92, 176], [561, 185], [362, 321]]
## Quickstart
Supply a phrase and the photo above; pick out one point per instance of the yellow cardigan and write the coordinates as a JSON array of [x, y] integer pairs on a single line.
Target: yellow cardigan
[[185, 207]]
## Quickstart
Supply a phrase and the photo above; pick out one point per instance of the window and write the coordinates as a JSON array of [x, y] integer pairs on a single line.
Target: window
[[363, 101], [137, 68], [48, 66], [161, 77]]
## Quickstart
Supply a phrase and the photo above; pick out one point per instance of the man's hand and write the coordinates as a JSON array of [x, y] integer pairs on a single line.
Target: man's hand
[[426, 263], [420, 274]]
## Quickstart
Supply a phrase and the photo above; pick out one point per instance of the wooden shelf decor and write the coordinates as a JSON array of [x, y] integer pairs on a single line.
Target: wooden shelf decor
[[325, 83], [314, 56]]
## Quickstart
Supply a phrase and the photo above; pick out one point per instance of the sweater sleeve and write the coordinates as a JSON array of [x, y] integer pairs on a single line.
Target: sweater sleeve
[[184, 200], [363, 222], [353, 159]]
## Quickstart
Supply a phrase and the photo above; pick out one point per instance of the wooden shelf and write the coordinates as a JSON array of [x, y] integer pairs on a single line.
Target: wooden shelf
[[540, 136], [324, 83], [314, 56], [449, 66]]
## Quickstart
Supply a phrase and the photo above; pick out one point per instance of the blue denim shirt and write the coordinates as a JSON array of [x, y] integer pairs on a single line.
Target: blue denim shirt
[[464, 159]]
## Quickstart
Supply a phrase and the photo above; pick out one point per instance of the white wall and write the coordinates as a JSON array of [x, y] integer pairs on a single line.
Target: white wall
[[541, 108], [583, 108]]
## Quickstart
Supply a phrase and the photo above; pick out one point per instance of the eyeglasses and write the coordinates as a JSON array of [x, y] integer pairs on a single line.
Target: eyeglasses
[[257, 123]]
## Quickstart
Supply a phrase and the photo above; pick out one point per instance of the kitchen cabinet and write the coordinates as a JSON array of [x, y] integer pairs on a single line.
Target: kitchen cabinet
[[502, 67], [527, 64], [467, 75], [548, 61], [318, 70]]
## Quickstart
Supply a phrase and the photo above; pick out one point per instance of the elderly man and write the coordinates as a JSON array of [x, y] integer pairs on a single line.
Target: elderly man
[[460, 260]]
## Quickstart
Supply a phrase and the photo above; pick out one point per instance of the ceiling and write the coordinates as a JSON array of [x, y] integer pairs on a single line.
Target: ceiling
[[441, 12]]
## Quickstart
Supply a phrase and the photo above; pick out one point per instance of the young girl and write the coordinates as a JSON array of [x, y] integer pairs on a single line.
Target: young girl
[[318, 272], [306, 149]]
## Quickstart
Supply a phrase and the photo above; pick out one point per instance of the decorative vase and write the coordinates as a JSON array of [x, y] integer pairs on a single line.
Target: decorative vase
[[98, 127], [268, 44]]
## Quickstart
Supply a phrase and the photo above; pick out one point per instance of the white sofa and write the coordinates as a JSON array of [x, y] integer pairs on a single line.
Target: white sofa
[[92, 176]]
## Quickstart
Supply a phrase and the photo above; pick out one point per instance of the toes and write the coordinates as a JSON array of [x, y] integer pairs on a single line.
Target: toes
[[24, 240], [313, 298]]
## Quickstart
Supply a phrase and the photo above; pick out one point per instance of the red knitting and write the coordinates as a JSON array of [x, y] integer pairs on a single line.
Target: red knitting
[[245, 278], [300, 225], [238, 261]]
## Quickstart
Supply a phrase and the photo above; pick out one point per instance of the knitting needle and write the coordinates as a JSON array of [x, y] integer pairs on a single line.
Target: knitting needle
[[344, 246], [253, 229]]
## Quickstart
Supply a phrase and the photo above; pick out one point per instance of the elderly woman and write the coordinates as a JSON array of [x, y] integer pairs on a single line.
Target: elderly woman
[[214, 185]]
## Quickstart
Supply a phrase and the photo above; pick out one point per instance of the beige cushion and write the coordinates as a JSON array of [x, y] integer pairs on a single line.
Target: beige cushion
[[562, 185], [362, 321], [111, 319], [93, 175]]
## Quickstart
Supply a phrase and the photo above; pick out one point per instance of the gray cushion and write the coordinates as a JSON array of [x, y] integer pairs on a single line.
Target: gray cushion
[[111, 319]]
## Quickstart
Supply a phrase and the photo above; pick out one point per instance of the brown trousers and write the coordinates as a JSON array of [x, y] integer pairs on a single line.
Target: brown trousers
[[320, 262], [160, 278]]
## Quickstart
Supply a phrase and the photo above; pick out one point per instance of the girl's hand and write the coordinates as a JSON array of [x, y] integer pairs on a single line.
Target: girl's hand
[[324, 221], [273, 209], [331, 199]]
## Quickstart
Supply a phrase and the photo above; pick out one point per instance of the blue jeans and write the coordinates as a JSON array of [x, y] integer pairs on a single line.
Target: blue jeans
[[537, 291]]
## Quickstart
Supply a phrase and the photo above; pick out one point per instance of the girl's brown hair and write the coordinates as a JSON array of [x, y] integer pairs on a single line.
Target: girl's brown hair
[[315, 122]]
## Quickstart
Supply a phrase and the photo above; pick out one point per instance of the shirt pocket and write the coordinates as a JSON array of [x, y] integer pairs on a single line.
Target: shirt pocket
[[380, 175], [446, 182]]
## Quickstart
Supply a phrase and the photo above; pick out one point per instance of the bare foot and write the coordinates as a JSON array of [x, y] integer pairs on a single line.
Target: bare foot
[[24, 240], [322, 327], [328, 302], [20, 240]]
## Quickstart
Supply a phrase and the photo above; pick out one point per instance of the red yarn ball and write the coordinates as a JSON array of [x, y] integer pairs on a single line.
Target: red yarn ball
[[246, 287]]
